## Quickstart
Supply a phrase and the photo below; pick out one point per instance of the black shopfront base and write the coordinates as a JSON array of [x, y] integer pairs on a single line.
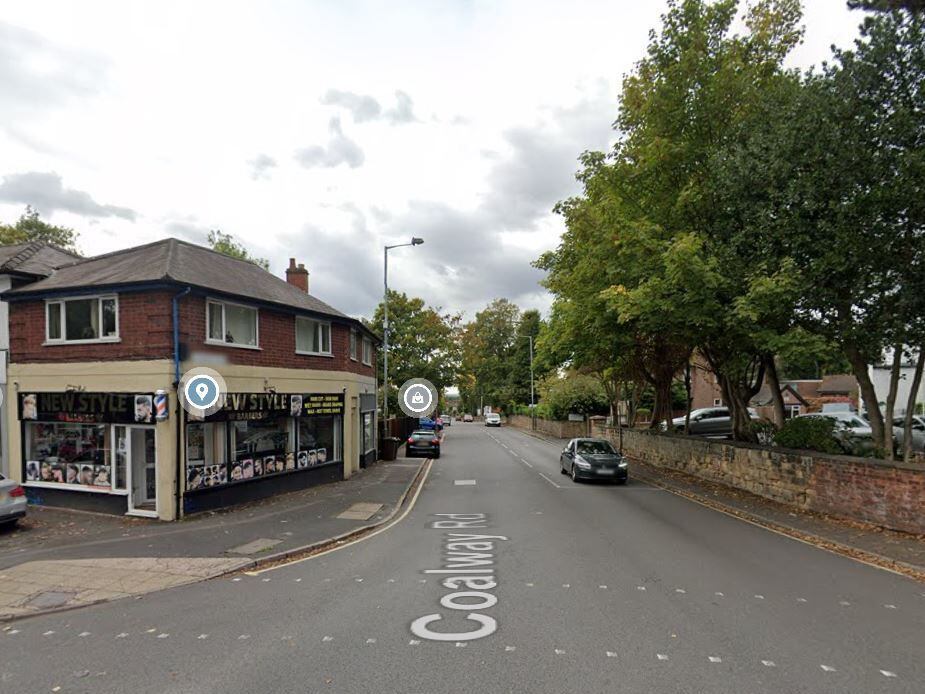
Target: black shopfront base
[[116, 504], [211, 498]]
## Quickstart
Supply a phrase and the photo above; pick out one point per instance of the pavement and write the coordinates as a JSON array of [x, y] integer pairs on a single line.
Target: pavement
[[501, 575], [58, 559]]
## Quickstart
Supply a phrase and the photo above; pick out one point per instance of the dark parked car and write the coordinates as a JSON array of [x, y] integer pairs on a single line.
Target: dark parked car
[[709, 421], [423, 442], [593, 459]]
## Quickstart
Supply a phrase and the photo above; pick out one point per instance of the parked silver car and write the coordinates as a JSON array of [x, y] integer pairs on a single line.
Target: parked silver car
[[12, 501], [853, 433], [918, 432]]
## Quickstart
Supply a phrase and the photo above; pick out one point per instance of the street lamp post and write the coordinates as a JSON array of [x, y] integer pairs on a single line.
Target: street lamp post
[[415, 241]]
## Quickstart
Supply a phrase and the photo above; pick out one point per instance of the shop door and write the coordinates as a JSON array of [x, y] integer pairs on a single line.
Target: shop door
[[143, 466]]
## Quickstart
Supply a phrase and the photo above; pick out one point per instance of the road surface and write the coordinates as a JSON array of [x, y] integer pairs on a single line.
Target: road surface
[[578, 588]]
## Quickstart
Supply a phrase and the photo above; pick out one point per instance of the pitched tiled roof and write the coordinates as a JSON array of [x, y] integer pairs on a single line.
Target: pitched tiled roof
[[838, 383], [178, 262], [33, 258]]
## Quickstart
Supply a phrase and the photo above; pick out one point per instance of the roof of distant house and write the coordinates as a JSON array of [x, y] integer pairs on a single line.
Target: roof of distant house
[[33, 258], [176, 262], [838, 384], [763, 396]]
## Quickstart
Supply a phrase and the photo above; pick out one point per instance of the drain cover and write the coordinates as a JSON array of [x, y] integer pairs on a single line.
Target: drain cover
[[256, 546]]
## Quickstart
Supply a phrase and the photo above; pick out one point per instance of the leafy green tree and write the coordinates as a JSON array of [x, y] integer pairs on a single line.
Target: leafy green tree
[[487, 347], [30, 227], [227, 244], [422, 344], [573, 394], [887, 5]]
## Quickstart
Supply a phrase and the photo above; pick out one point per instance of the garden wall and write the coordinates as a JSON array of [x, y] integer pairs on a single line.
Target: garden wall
[[891, 495], [550, 427]]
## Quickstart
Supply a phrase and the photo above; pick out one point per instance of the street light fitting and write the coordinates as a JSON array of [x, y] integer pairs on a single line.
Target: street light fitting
[[415, 241]]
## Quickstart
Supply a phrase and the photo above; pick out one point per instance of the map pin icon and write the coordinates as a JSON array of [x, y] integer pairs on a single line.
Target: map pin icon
[[202, 389]]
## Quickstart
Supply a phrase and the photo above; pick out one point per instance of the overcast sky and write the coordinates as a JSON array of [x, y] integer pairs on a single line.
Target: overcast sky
[[322, 130]]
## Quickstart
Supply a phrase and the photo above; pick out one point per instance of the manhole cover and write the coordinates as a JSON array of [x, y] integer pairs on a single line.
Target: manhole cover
[[50, 598], [361, 511]]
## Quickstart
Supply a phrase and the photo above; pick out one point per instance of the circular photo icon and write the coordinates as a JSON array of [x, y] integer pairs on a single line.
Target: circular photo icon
[[202, 392], [418, 397]]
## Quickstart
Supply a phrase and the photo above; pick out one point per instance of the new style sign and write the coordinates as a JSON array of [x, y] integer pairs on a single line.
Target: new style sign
[[241, 406], [119, 408]]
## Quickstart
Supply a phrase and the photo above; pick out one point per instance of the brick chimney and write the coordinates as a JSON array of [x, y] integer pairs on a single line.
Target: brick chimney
[[297, 276]]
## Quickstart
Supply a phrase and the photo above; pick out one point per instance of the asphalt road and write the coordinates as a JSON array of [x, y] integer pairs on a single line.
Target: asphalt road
[[598, 589]]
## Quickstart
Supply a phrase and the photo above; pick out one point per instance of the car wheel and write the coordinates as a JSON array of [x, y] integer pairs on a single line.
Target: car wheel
[[620, 481], [437, 457], [574, 474], [562, 470]]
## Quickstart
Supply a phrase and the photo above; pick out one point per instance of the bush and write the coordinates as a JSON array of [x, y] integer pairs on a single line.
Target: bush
[[809, 433]]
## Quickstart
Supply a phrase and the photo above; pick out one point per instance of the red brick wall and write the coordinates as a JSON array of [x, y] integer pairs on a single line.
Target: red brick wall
[[873, 491], [146, 332], [144, 327]]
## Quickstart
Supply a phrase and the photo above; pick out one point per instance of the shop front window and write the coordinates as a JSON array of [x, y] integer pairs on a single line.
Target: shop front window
[[262, 447], [205, 455], [76, 455], [318, 440]]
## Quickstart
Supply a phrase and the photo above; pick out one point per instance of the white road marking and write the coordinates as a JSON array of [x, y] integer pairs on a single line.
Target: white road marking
[[680, 590], [358, 580], [461, 644], [49, 632], [266, 580], [235, 579], [719, 595], [298, 580], [163, 636], [202, 637], [526, 462], [121, 636], [640, 587], [801, 599], [769, 663], [715, 659], [529, 585], [244, 637], [611, 654], [543, 475], [887, 673], [827, 668], [414, 642], [391, 580], [12, 632], [603, 587], [661, 656], [566, 585], [559, 651], [327, 639], [464, 483], [890, 607], [370, 640], [83, 634], [844, 603], [759, 597], [510, 649]]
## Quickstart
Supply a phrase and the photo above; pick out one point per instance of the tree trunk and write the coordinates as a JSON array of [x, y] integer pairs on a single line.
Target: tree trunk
[[777, 398], [690, 398], [887, 442], [859, 368], [910, 405], [662, 409]]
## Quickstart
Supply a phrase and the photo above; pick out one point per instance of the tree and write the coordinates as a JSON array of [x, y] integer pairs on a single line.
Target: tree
[[573, 394], [30, 227], [227, 244], [887, 5], [422, 343], [487, 348]]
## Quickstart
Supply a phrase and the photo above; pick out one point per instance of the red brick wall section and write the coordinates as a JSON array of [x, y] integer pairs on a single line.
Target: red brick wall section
[[891, 495], [146, 332]]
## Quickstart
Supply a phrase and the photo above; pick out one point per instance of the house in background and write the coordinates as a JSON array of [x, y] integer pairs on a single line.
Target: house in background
[[21, 264], [880, 377], [96, 353], [797, 396]]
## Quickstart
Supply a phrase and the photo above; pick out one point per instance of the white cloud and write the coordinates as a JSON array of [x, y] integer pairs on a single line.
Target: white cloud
[[47, 194], [260, 166], [339, 150]]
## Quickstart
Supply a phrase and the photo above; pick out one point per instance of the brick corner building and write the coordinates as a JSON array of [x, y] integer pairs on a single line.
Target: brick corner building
[[96, 352]]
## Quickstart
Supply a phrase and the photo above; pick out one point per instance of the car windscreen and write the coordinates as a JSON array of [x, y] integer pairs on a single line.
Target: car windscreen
[[423, 434], [595, 448]]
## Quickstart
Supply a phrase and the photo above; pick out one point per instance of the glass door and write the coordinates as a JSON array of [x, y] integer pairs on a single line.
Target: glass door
[[142, 464]]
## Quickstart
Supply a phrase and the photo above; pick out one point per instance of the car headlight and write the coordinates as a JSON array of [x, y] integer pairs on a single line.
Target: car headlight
[[582, 465], [623, 463]]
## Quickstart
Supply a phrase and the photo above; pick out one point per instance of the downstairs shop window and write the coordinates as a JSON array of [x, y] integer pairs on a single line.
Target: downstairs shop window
[[73, 455], [205, 455], [261, 447], [318, 440]]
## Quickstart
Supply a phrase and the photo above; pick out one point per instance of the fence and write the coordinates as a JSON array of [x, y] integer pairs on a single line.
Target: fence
[[550, 427]]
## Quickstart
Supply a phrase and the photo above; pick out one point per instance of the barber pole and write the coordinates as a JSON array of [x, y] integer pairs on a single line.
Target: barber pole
[[160, 405]]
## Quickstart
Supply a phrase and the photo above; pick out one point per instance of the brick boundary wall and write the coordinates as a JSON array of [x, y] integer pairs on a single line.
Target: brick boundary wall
[[891, 495], [559, 428]]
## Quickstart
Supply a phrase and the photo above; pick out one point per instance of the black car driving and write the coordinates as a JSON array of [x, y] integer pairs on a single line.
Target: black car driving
[[424, 442], [593, 459]]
